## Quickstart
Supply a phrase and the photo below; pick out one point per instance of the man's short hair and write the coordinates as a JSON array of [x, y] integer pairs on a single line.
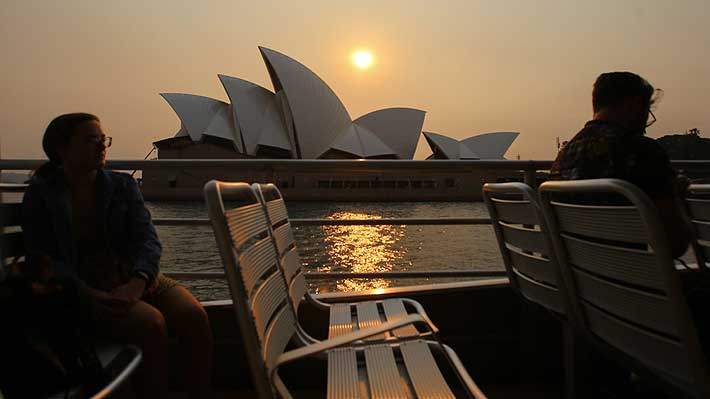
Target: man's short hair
[[613, 87]]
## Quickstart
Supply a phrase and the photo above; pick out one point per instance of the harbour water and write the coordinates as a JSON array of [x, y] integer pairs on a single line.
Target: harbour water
[[344, 248]]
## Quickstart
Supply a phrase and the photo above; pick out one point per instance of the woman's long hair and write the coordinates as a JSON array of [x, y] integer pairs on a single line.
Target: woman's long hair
[[58, 134]]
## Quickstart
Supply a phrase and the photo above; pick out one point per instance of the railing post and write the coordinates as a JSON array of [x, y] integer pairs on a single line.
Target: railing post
[[531, 176]]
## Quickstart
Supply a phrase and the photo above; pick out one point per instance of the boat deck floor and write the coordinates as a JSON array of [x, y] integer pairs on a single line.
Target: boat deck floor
[[492, 392], [527, 391]]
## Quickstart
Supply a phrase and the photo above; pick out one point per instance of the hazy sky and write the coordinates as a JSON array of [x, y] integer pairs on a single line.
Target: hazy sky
[[474, 66]]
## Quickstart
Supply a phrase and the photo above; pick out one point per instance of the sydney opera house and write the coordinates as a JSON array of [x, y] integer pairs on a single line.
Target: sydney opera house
[[303, 118]]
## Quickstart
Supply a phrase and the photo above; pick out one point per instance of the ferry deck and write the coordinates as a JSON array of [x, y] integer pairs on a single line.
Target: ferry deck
[[513, 349]]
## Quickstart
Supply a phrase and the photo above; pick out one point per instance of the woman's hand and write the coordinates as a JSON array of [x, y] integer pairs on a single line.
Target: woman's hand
[[681, 184], [102, 303], [131, 291]]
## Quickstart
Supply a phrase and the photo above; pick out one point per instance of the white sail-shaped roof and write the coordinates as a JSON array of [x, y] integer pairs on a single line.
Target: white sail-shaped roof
[[491, 145], [222, 126], [448, 148], [318, 115], [398, 128], [302, 118], [466, 153], [183, 131], [202, 115], [272, 132], [256, 112], [361, 142]]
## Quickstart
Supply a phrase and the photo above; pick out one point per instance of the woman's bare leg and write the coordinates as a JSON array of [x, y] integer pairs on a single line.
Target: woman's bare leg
[[144, 326], [184, 313]]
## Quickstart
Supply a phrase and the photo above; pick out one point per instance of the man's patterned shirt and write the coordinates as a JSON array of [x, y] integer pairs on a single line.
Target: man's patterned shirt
[[606, 150]]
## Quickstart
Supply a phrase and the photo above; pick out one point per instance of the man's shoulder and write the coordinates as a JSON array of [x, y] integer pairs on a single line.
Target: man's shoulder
[[119, 185], [40, 186], [119, 178], [601, 130]]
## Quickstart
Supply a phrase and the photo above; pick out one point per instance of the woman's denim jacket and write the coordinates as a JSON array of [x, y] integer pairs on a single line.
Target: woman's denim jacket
[[46, 217]]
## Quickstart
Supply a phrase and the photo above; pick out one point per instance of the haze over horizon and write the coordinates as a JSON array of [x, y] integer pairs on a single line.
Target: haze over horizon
[[474, 66]]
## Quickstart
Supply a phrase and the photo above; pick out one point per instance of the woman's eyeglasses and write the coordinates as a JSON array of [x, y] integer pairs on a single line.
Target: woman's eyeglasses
[[651, 120], [105, 140]]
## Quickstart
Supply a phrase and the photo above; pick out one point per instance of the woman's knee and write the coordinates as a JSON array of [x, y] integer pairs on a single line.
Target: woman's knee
[[183, 310], [192, 317], [148, 322]]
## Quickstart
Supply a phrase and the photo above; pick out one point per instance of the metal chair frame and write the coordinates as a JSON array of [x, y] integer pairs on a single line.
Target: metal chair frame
[[628, 301], [274, 207], [267, 319]]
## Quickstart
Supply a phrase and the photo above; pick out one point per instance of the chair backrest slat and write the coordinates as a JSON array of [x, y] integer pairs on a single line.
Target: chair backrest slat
[[652, 349], [297, 289], [262, 258], [284, 238], [636, 306], [277, 212], [618, 263], [617, 223], [542, 294], [515, 211], [617, 269], [291, 264], [524, 246], [533, 266], [246, 222], [259, 294], [270, 296], [282, 234], [278, 335], [524, 238]]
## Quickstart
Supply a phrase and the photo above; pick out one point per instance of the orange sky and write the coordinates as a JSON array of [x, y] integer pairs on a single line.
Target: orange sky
[[474, 66]]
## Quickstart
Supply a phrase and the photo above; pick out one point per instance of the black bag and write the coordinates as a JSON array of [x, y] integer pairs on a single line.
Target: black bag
[[44, 346]]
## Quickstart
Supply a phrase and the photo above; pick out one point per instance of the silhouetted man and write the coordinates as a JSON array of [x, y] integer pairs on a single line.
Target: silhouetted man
[[613, 145]]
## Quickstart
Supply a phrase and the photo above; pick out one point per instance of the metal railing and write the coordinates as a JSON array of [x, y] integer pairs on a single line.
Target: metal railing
[[528, 169]]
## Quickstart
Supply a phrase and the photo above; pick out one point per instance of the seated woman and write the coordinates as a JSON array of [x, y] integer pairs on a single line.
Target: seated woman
[[94, 227]]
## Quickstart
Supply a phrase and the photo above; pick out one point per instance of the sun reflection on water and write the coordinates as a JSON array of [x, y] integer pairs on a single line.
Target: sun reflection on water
[[361, 249]]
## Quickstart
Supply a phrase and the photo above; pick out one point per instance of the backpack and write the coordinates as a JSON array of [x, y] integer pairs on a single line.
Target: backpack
[[45, 336]]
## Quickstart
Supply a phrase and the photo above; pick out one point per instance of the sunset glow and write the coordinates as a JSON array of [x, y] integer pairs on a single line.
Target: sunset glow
[[474, 67], [362, 59]]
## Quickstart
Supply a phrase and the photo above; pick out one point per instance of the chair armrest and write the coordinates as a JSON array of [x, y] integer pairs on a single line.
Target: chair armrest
[[348, 338], [465, 379], [121, 367], [422, 312]]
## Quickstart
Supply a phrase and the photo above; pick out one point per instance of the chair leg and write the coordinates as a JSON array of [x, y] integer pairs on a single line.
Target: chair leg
[[573, 364]]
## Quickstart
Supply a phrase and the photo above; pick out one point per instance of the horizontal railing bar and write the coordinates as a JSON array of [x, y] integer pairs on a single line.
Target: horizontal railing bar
[[389, 221], [12, 187], [323, 164], [27, 164], [181, 221], [417, 274], [186, 276], [340, 222]]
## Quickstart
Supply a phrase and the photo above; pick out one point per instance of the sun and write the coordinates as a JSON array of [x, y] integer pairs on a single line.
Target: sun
[[362, 59]]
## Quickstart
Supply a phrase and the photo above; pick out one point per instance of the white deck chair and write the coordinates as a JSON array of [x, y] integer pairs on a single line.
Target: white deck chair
[[698, 208], [617, 269], [524, 245], [268, 322], [529, 261], [344, 317]]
